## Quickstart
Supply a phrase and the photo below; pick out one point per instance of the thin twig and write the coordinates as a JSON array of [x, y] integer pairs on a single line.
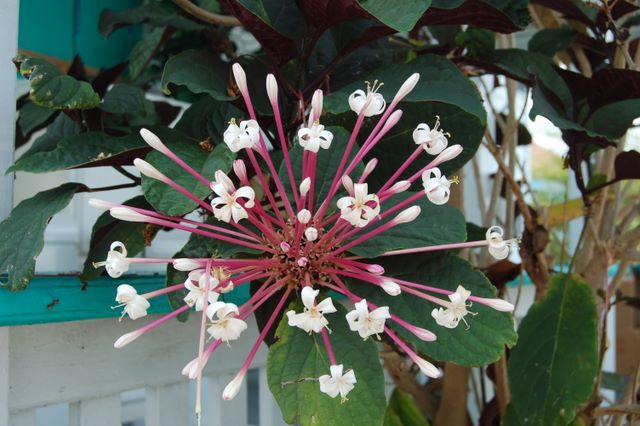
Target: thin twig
[[206, 16], [112, 187]]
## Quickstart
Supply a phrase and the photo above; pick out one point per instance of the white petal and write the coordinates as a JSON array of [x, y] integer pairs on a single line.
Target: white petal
[[308, 296]]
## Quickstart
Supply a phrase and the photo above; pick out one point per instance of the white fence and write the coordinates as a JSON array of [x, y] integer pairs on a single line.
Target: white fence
[[75, 363]]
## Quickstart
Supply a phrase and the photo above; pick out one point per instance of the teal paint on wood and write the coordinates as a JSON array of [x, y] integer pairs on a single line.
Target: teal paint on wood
[[61, 298], [64, 28]]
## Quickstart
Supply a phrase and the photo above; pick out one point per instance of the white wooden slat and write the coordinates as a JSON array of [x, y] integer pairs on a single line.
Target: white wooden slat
[[212, 404], [55, 363], [23, 418], [269, 411], [167, 405], [4, 375], [8, 49], [105, 411]]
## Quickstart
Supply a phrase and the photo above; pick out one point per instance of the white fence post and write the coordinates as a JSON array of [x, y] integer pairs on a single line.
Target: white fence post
[[4, 375], [167, 405], [105, 411]]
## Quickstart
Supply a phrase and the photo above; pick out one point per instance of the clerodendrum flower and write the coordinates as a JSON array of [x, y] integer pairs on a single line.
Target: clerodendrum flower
[[305, 244]]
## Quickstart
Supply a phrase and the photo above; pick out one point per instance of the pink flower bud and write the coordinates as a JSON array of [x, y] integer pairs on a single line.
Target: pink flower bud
[[285, 247], [302, 262], [126, 214], [304, 186], [375, 269], [370, 167], [347, 183], [407, 87], [232, 389], [125, 339], [448, 154], [311, 233], [399, 187], [241, 78], [272, 89], [407, 215], [101, 204], [153, 141], [391, 121], [148, 170], [497, 304], [390, 287], [304, 216], [240, 170], [316, 104]]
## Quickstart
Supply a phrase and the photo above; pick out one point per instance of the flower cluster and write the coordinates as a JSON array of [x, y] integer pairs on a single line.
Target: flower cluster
[[304, 242]]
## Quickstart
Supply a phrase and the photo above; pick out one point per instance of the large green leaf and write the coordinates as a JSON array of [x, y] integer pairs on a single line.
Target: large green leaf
[[50, 88], [400, 15], [134, 235], [156, 14], [167, 200], [86, 149], [296, 361], [143, 50], [207, 118], [33, 117], [124, 99], [551, 369], [22, 233], [199, 71], [327, 164], [435, 225], [489, 331], [442, 90], [403, 411]]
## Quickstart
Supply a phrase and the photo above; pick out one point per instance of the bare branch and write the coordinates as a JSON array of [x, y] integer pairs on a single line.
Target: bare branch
[[206, 16]]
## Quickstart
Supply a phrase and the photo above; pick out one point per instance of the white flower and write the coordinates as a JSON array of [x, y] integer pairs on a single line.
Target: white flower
[[226, 327], [134, 305], [225, 205], [337, 383], [244, 136], [117, 262], [312, 319], [370, 103], [436, 186], [195, 283], [434, 141], [360, 209], [455, 311], [314, 138], [367, 323], [498, 248]]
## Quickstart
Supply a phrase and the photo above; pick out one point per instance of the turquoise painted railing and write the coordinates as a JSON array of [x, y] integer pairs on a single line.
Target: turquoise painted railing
[[61, 298]]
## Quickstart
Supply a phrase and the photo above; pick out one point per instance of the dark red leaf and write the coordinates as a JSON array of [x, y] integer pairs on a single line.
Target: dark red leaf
[[275, 44], [502, 272], [77, 69], [471, 12], [106, 77], [166, 112], [627, 165], [567, 9]]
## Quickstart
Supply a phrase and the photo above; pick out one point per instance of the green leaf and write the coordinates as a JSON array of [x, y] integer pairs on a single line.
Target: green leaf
[[50, 88], [199, 71], [402, 410], [442, 90], [143, 51], [124, 99], [167, 200], [156, 14], [480, 43], [33, 116], [400, 15], [435, 225], [327, 164], [489, 331], [134, 235], [86, 149], [296, 361], [207, 118], [440, 81], [22, 233], [552, 40], [551, 369]]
